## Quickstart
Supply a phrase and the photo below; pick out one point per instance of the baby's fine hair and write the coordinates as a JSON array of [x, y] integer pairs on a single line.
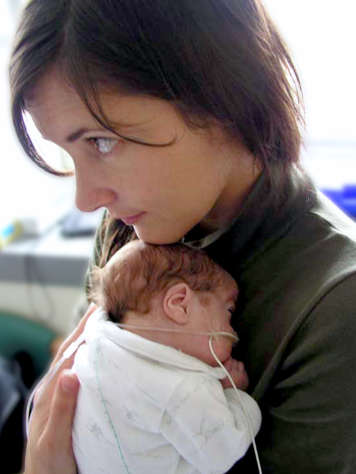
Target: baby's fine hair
[[132, 282]]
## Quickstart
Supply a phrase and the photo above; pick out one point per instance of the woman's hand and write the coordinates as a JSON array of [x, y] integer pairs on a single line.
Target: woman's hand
[[238, 374], [49, 446]]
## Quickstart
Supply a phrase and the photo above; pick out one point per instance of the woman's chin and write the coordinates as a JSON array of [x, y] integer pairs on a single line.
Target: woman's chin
[[157, 236]]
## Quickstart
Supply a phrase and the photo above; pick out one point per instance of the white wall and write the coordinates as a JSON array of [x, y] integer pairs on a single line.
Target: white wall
[[321, 35], [53, 306]]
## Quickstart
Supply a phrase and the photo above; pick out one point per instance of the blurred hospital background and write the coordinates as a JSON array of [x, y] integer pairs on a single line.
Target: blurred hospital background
[[45, 243]]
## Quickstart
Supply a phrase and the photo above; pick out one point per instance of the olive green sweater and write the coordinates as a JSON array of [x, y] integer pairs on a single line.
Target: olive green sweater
[[296, 318]]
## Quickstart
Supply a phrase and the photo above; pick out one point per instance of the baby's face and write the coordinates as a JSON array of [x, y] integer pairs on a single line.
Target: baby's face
[[208, 316], [215, 316]]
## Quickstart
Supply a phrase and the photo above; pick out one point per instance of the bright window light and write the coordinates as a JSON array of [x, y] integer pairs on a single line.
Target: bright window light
[[25, 190], [321, 36]]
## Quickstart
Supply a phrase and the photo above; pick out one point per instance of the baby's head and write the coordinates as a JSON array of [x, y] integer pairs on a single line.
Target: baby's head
[[169, 286]]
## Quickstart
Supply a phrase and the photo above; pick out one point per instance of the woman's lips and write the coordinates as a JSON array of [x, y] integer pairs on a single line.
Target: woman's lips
[[130, 220]]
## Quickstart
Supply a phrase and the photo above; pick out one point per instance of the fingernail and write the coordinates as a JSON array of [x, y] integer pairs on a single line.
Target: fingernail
[[69, 382]]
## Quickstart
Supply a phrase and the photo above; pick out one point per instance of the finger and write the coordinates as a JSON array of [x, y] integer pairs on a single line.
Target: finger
[[74, 334], [49, 448], [45, 389], [44, 394], [228, 364], [53, 452], [59, 427], [241, 375], [46, 386], [239, 367]]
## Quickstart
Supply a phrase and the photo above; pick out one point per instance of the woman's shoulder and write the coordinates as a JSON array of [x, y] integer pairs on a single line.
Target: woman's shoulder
[[320, 240], [323, 242], [331, 217]]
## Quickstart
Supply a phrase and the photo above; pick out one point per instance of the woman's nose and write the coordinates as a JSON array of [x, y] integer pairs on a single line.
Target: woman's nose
[[90, 196]]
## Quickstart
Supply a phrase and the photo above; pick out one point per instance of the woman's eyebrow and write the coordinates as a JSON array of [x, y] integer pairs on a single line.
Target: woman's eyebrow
[[116, 125], [81, 131], [76, 135]]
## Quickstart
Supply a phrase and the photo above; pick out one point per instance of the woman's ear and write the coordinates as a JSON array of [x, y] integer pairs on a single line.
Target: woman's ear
[[176, 303]]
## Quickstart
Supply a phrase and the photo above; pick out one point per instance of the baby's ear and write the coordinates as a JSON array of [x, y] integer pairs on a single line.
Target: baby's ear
[[176, 302]]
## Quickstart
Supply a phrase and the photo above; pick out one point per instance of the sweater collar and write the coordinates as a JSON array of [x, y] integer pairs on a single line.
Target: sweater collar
[[191, 238]]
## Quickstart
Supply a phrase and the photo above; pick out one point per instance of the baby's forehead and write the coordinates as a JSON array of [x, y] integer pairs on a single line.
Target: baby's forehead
[[228, 285]]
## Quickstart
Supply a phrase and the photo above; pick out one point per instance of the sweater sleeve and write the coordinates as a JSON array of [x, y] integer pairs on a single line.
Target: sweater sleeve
[[207, 425], [309, 417]]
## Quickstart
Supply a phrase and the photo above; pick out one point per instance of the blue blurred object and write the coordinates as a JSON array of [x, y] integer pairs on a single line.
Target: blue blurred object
[[345, 198]]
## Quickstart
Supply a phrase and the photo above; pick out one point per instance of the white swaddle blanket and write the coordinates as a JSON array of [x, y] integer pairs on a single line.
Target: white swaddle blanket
[[147, 408]]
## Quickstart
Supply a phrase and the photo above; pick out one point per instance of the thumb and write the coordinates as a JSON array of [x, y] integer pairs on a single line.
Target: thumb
[[62, 411], [69, 383]]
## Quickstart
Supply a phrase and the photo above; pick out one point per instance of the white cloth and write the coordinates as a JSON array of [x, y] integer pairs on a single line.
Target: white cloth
[[148, 408]]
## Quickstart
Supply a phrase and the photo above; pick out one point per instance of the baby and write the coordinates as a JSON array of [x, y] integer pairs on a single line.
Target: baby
[[153, 398]]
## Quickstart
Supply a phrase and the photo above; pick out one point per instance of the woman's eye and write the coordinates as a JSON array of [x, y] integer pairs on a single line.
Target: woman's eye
[[104, 145]]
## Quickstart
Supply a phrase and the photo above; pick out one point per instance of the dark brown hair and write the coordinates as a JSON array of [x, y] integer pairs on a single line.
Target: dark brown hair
[[132, 282], [212, 59]]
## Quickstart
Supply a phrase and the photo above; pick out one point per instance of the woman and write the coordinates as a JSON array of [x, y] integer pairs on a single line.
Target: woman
[[183, 121]]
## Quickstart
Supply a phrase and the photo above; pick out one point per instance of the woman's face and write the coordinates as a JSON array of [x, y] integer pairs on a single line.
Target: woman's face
[[163, 191]]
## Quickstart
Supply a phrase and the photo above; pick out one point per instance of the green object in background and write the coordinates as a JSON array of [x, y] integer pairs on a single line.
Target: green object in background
[[20, 334]]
